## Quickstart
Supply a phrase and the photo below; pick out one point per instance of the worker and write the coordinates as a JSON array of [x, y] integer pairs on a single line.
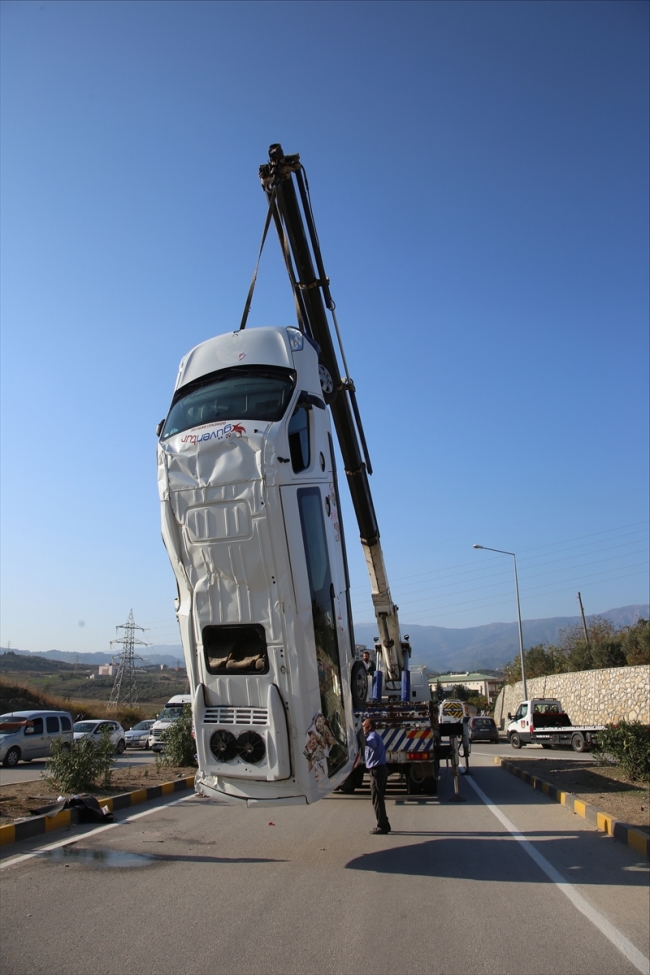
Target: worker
[[376, 765], [368, 664]]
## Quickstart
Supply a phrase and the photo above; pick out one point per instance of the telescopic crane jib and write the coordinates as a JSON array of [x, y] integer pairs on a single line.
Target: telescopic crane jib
[[287, 190]]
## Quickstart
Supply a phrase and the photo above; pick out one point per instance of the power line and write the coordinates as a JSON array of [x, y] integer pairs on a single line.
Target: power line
[[124, 686]]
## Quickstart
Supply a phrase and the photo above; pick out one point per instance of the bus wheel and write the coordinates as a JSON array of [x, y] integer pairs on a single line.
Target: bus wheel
[[326, 383], [359, 684], [515, 740]]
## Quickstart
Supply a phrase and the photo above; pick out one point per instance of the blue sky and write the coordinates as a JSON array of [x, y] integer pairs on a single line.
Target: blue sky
[[479, 181]]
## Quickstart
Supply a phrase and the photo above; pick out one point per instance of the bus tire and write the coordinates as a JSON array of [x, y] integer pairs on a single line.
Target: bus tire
[[515, 740], [359, 684]]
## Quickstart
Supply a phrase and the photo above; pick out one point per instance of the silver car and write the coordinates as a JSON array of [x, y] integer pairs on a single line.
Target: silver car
[[94, 729], [138, 737]]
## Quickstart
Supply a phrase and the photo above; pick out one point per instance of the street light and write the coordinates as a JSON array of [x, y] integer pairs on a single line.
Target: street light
[[521, 635]]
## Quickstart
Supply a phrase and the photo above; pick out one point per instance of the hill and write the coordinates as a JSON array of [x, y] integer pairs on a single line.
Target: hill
[[490, 646], [440, 648]]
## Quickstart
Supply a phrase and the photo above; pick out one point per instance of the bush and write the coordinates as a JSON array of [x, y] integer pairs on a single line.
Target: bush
[[180, 747], [628, 744], [76, 766]]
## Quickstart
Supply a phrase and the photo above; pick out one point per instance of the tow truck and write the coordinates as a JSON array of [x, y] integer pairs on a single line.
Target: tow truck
[[543, 721], [252, 523]]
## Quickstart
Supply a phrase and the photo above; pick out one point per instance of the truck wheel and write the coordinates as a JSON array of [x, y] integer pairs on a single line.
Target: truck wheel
[[12, 758], [515, 740], [578, 744], [359, 684]]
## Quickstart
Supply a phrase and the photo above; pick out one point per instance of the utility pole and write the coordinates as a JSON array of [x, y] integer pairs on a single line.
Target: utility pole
[[584, 622], [124, 688]]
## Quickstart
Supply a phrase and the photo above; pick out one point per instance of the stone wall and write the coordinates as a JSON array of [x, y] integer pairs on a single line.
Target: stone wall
[[588, 696]]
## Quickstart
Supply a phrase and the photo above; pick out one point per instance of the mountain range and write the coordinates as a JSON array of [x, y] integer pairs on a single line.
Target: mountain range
[[491, 646], [439, 648]]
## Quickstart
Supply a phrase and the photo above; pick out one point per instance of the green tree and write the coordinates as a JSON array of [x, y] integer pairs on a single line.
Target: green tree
[[636, 643], [76, 766], [180, 747], [541, 660], [605, 647]]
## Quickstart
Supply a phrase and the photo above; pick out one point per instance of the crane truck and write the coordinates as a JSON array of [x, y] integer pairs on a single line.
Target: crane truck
[[251, 519]]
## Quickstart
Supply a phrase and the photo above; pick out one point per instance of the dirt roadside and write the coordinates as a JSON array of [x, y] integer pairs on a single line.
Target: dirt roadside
[[18, 798], [604, 786]]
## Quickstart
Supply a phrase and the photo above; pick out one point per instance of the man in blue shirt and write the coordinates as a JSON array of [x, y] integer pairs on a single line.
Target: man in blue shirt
[[376, 765]]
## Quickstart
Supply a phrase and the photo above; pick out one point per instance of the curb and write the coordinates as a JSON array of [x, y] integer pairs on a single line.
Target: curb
[[635, 838], [27, 829]]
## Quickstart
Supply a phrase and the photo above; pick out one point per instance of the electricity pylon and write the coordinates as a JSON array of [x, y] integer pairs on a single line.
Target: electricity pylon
[[124, 687]]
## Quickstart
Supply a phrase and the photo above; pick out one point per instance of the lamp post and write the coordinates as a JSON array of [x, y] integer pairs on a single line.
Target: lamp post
[[521, 635]]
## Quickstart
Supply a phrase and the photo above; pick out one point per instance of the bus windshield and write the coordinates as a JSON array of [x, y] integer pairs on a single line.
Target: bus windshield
[[253, 393]]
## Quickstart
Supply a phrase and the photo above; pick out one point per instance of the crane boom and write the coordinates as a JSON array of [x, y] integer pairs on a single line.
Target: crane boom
[[284, 182]]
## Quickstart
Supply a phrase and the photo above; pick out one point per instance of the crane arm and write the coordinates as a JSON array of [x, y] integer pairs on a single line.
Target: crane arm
[[284, 182]]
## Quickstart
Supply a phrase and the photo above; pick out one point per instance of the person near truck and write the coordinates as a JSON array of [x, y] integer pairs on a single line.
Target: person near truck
[[368, 664], [376, 765]]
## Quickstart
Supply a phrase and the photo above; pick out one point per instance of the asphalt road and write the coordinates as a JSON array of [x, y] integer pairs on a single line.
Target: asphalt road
[[505, 882], [28, 771]]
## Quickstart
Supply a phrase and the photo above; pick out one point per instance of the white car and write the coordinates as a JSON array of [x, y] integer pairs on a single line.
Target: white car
[[94, 729], [138, 736]]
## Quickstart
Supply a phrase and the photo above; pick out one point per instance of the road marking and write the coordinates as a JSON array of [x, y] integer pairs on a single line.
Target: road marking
[[619, 940], [11, 862]]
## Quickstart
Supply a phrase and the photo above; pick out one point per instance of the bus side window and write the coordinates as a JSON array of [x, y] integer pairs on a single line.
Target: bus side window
[[299, 440]]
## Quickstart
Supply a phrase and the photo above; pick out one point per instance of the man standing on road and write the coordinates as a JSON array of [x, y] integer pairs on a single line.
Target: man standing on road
[[376, 766]]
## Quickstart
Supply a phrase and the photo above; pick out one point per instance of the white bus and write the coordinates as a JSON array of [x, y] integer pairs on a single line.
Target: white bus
[[252, 526]]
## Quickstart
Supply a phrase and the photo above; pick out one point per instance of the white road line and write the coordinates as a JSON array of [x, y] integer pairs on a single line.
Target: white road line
[[11, 862], [626, 947]]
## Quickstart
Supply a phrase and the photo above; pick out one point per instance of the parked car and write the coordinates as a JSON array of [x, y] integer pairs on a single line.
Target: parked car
[[483, 729], [29, 734], [138, 737], [94, 729]]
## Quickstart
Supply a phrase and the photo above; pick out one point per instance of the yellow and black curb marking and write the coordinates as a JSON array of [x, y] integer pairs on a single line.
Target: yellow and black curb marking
[[27, 829], [638, 840]]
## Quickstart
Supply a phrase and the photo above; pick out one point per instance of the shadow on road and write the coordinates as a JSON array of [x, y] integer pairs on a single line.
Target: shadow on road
[[480, 856]]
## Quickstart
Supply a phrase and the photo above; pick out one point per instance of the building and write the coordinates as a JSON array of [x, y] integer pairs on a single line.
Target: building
[[485, 684], [107, 670]]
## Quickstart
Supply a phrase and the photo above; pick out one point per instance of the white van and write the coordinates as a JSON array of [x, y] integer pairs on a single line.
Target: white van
[[171, 711], [25, 735]]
